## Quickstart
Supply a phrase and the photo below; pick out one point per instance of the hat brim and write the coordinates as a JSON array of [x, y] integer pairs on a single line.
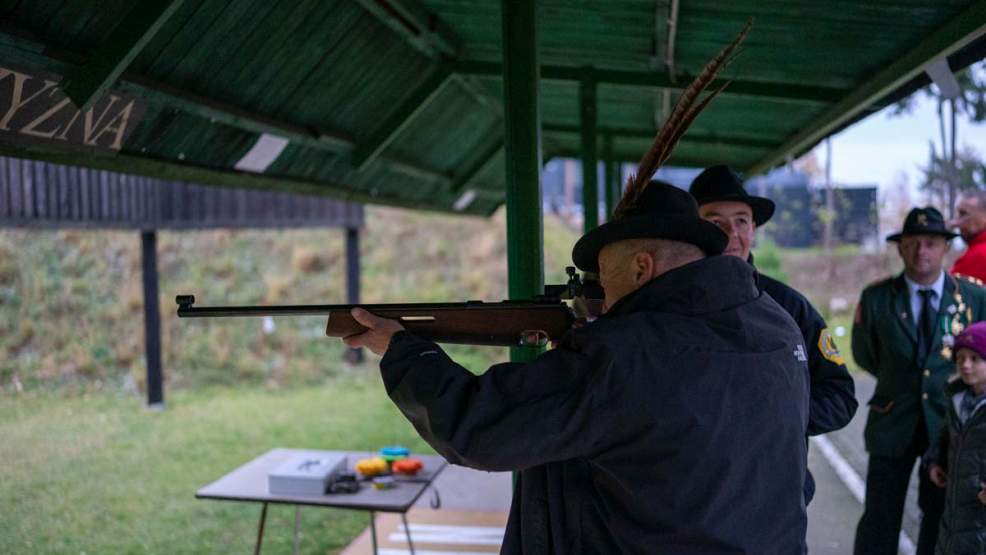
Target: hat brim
[[696, 231], [895, 237], [763, 208]]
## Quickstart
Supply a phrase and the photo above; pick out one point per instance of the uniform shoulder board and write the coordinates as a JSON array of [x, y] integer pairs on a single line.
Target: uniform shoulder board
[[970, 279]]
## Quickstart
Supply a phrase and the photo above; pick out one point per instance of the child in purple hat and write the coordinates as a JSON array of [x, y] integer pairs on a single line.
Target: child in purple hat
[[959, 463]]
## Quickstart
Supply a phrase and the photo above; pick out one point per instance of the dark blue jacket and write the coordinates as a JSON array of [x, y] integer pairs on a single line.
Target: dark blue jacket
[[674, 424], [833, 392]]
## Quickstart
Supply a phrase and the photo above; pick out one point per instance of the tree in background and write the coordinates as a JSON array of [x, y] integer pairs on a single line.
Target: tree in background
[[948, 170], [944, 178]]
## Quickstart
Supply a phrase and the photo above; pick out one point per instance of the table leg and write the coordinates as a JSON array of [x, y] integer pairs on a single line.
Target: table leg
[[297, 527], [407, 530], [373, 531], [260, 530]]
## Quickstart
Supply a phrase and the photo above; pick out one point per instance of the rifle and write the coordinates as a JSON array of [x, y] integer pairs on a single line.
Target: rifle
[[524, 323]]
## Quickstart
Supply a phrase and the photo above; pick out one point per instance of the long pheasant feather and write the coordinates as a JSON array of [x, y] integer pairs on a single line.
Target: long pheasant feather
[[685, 111]]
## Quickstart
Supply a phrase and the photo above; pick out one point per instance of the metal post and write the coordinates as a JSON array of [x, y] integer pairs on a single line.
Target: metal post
[[373, 532], [260, 530], [590, 160], [522, 145], [353, 356], [297, 530], [152, 320], [612, 179], [407, 531]]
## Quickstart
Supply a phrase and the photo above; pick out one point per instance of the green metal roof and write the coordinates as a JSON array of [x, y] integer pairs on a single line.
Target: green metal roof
[[400, 102]]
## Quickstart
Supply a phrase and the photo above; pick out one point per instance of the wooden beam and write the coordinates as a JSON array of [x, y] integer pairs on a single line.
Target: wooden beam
[[477, 165], [628, 133], [224, 113], [590, 157], [26, 50], [107, 62], [652, 79], [957, 33], [225, 177], [367, 151], [418, 26], [631, 157]]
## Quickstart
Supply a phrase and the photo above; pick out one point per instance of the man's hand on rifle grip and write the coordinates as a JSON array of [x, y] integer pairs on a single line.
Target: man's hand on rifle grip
[[377, 335]]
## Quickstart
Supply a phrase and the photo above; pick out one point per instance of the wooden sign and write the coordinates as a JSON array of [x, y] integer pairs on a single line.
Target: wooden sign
[[35, 110]]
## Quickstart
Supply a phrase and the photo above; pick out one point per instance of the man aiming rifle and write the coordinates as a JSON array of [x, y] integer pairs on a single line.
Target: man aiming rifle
[[674, 423]]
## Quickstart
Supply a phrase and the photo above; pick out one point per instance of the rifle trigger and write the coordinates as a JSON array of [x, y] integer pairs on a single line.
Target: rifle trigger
[[533, 338]]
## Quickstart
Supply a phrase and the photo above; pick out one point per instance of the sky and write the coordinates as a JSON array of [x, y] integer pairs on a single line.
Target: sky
[[882, 146]]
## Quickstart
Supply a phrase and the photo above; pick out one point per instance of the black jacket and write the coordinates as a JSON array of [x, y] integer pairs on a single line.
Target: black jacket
[[673, 424], [962, 453], [833, 393]]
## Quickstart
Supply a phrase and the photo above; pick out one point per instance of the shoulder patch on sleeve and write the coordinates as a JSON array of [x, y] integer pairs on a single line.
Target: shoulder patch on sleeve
[[828, 349]]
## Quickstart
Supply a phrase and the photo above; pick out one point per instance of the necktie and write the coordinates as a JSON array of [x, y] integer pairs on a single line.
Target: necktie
[[926, 325]]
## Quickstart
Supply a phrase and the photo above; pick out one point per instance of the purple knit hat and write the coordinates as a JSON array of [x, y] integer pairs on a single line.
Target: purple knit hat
[[973, 337]]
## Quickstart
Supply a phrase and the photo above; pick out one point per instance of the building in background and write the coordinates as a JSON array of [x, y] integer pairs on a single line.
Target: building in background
[[798, 221]]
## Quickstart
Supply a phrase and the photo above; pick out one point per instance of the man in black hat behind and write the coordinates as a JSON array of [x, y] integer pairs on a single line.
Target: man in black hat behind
[[674, 423], [723, 201], [902, 334]]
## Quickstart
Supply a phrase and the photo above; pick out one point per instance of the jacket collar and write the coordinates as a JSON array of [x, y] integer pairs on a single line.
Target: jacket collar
[[712, 284], [980, 239]]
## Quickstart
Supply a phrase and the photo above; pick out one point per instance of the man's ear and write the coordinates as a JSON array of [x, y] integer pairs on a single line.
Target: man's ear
[[644, 268]]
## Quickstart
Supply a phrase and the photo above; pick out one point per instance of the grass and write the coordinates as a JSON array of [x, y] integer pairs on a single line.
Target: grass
[[85, 468], [97, 473]]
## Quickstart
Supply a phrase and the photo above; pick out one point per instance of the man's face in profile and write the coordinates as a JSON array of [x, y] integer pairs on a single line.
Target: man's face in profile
[[970, 218], [736, 219]]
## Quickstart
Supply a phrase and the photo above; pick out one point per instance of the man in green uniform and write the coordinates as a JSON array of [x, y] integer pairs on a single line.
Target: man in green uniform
[[903, 332]]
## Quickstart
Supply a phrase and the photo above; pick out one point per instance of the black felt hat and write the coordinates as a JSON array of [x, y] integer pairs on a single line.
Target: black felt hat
[[924, 221], [662, 211], [721, 183]]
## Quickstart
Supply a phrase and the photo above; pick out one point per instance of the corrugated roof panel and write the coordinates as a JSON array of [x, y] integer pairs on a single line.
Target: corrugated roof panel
[[448, 131], [246, 67]]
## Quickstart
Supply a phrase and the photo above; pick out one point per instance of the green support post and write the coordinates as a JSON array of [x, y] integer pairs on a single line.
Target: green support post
[[522, 148], [612, 181], [590, 159]]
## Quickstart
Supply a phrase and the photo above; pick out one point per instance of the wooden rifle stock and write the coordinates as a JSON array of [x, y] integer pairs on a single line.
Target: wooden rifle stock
[[506, 323]]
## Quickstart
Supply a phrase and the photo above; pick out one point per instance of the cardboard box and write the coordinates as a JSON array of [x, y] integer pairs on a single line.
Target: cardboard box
[[306, 473]]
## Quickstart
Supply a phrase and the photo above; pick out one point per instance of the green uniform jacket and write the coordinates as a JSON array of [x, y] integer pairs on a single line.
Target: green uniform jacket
[[884, 341]]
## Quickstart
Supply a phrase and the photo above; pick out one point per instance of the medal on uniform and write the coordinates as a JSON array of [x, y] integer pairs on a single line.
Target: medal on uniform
[[952, 324]]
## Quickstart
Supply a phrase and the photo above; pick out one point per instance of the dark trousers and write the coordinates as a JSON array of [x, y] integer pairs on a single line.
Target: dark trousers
[[886, 489]]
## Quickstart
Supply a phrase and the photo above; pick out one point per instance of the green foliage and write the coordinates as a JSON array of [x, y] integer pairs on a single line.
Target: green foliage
[[90, 471], [71, 303], [768, 259]]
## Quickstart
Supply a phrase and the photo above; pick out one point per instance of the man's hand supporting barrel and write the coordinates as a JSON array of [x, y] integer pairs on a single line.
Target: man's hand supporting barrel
[[378, 332]]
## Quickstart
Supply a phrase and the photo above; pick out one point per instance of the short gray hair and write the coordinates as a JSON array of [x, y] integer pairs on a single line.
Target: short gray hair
[[665, 251], [978, 194]]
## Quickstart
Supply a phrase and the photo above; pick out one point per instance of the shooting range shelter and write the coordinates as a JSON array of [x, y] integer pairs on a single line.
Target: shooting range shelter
[[44, 196], [450, 105]]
